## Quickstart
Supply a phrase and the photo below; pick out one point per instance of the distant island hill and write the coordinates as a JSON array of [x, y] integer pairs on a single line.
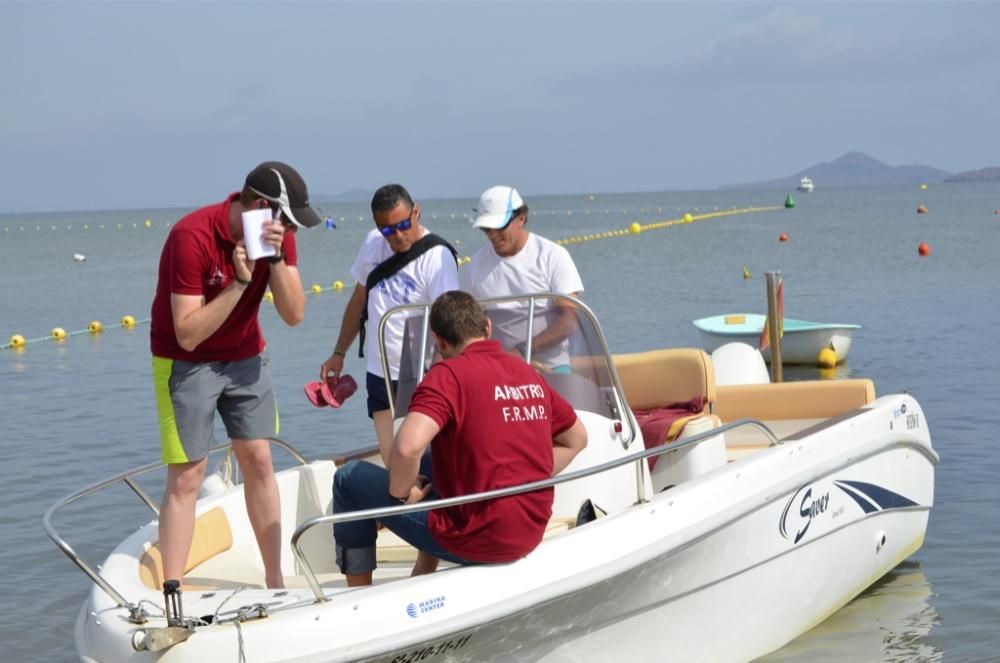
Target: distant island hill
[[859, 169], [852, 169]]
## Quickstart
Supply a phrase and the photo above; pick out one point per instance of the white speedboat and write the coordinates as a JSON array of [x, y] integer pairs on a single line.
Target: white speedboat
[[773, 507], [806, 185], [801, 341]]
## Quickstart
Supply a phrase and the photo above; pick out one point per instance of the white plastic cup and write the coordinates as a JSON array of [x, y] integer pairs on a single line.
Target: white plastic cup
[[253, 231]]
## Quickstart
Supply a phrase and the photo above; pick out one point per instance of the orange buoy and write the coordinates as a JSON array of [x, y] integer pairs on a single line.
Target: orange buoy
[[924, 249], [921, 209], [783, 237]]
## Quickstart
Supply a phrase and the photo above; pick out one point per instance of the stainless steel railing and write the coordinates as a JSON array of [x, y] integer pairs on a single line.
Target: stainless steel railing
[[638, 457], [128, 478]]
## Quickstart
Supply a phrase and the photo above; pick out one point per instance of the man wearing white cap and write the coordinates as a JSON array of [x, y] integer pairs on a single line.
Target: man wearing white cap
[[519, 262]]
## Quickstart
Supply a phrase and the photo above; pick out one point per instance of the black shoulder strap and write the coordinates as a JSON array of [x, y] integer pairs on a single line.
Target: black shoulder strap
[[393, 264]]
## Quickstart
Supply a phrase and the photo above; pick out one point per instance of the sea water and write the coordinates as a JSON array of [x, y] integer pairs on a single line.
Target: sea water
[[77, 411]]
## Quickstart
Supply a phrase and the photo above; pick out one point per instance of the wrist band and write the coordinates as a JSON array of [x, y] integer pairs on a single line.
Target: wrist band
[[241, 281], [274, 260], [339, 353], [399, 500]]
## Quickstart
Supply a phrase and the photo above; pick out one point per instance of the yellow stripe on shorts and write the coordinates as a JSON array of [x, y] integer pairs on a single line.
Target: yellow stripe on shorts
[[171, 449]]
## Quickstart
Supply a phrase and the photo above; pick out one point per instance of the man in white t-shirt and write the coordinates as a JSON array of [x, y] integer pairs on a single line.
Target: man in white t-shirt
[[519, 262], [397, 235]]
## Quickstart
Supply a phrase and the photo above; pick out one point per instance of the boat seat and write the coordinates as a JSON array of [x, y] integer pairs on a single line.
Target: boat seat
[[658, 378], [666, 389], [809, 399], [212, 536], [392, 549]]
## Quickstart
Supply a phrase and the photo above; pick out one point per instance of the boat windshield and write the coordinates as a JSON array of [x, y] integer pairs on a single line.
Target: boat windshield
[[577, 366]]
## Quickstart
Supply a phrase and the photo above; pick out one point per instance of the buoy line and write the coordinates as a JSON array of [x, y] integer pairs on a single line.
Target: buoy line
[[59, 334], [636, 228], [330, 222]]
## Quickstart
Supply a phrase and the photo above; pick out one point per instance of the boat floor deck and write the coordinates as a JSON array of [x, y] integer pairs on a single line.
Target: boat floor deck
[[240, 566]]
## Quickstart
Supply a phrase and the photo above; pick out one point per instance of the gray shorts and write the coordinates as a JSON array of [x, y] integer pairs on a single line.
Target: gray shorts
[[189, 394]]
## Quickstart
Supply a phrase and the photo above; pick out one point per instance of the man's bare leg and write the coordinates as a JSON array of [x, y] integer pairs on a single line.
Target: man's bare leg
[[359, 580], [263, 504], [176, 524], [383, 431], [425, 563]]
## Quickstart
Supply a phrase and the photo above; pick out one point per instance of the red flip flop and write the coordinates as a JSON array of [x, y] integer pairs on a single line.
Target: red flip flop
[[314, 392], [335, 391]]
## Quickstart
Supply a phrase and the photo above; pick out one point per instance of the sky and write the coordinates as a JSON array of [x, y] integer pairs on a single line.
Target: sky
[[118, 105]]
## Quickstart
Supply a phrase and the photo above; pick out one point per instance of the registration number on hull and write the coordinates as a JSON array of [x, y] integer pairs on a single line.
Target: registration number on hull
[[432, 650]]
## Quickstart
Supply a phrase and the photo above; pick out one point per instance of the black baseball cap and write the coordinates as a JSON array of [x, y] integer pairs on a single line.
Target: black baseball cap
[[279, 183]]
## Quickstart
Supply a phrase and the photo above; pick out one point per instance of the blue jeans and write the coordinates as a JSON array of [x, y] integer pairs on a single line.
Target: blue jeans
[[359, 485]]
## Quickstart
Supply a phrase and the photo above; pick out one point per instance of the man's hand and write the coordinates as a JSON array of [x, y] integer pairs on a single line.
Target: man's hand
[[244, 266], [419, 492], [274, 234], [333, 366]]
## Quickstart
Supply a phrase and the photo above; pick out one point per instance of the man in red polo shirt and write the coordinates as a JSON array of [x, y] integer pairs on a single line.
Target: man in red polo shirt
[[494, 422], [208, 353]]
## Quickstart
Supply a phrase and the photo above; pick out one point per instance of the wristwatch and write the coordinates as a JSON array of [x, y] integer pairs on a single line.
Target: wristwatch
[[274, 260], [398, 500]]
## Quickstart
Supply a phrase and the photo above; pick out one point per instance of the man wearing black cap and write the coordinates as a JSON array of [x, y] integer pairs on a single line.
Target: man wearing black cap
[[208, 353]]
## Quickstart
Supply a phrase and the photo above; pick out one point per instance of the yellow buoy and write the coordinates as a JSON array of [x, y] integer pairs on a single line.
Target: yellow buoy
[[826, 358], [95, 327], [128, 322], [268, 297], [923, 186], [746, 273], [317, 288], [635, 228], [338, 285], [149, 224], [688, 218], [17, 341], [58, 333]]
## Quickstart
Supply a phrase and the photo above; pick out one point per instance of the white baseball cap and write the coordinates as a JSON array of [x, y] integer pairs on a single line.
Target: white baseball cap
[[496, 207]]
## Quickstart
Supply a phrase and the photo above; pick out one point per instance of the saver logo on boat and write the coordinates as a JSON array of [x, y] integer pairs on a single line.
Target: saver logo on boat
[[810, 506], [810, 503], [414, 610]]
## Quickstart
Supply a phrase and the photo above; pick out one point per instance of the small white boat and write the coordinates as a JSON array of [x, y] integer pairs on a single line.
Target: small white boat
[[806, 184], [801, 342], [744, 535]]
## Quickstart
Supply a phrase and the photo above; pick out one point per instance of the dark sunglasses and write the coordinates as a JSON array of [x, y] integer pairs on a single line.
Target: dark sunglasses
[[393, 228], [504, 226]]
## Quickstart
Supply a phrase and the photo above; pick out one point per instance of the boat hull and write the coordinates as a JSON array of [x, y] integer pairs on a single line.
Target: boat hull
[[726, 566]]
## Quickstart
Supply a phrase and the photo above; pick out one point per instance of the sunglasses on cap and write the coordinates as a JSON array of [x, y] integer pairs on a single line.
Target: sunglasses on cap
[[393, 228], [276, 214]]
